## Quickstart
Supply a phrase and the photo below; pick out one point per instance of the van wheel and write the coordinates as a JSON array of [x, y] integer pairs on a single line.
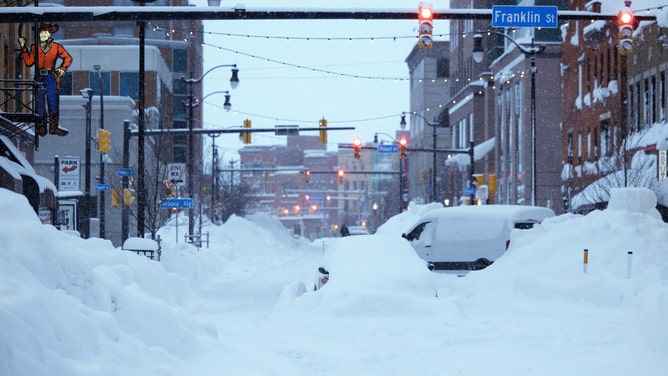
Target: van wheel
[[481, 264]]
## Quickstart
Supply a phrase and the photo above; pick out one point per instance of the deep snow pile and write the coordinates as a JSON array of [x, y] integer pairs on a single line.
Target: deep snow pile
[[81, 307]]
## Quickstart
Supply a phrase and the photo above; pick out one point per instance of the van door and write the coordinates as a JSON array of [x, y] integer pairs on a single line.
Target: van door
[[421, 239]]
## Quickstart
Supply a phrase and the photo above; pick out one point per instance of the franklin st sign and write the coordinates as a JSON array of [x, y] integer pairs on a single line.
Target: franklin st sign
[[524, 16]]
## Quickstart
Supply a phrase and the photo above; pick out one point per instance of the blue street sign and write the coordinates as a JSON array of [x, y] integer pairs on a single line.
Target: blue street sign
[[125, 172], [388, 149], [177, 203], [101, 187], [524, 16], [469, 191]]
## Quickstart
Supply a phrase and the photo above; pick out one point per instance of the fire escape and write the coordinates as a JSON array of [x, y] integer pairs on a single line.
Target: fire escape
[[17, 109]]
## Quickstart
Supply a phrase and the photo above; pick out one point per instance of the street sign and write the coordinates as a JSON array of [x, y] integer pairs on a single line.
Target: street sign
[[101, 187], [388, 149], [68, 174], [177, 203], [125, 172], [469, 191], [176, 173], [524, 16]]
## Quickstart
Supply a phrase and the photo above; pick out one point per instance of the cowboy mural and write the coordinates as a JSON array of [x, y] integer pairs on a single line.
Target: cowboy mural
[[49, 75]]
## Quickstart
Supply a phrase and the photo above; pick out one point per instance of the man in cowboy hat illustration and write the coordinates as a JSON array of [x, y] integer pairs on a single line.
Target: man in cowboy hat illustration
[[49, 75]]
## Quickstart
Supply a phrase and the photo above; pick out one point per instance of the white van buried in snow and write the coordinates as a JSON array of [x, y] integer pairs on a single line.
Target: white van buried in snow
[[464, 238]]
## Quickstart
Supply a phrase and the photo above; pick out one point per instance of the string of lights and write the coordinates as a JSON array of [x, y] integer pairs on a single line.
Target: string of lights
[[192, 33], [312, 69]]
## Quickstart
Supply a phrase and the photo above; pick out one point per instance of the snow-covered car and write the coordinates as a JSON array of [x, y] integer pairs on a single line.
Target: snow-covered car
[[358, 230], [463, 238], [375, 262]]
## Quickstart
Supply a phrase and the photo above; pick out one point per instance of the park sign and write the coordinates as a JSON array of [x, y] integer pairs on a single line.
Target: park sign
[[524, 16]]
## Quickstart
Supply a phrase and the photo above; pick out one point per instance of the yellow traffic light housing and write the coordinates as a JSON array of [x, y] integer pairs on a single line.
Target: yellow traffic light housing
[[247, 135], [323, 130], [425, 25], [103, 141], [403, 148], [357, 147]]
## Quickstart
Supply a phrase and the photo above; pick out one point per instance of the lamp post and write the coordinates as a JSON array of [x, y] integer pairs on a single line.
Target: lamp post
[[234, 82], [214, 177], [531, 53], [443, 122], [87, 93], [102, 173]]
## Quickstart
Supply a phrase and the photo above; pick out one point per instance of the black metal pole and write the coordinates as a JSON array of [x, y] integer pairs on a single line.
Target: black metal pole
[[87, 206], [472, 170], [141, 193], [102, 165], [190, 168], [433, 169], [533, 125], [125, 215]]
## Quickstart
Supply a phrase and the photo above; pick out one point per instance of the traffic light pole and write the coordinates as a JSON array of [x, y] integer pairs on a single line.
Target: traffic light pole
[[125, 214]]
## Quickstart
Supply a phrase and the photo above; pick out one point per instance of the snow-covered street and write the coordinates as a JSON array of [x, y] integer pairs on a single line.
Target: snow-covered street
[[82, 307]]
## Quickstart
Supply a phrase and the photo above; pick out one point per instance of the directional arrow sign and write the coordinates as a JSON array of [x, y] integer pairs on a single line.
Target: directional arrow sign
[[177, 203], [524, 16]]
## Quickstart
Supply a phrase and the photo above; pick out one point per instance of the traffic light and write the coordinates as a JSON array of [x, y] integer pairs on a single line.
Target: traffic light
[[168, 189], [357, 147], [323, 130], [625, 25], [478, 180], [128, 197], [425, 25], [116, 198], [103, 141], [422, 176], [403, 148], [341, 174], [247, 135], [307, 176]]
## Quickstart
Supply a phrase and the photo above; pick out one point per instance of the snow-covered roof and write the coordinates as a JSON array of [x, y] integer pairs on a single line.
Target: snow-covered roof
[[479, 151]]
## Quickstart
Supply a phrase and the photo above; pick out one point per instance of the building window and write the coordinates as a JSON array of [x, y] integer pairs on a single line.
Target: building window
[[129, 85], [94, 82], [180, 60], [605, 138], [66, 84], [443, 68]]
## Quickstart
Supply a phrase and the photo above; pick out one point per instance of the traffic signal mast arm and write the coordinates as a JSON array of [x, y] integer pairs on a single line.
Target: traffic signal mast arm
[[134, 132], [157, 13]]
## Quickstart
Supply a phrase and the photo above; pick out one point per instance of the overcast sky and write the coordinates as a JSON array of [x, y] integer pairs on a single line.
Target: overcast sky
[[272, 93]]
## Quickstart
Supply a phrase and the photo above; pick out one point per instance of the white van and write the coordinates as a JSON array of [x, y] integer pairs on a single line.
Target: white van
[[464, 238]]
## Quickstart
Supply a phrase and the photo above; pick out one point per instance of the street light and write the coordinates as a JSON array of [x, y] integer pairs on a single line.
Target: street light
[[214, 175], [87, 94], [234, 82], [530, 52], [443, 122], [102, 156]]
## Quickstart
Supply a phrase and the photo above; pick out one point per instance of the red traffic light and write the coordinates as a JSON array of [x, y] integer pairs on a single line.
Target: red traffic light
[[625, 17], [425, 11], [403, 142], [341, 173], [357, 147]]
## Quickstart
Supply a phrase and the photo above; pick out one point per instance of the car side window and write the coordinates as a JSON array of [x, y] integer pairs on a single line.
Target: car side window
[[417, 231]]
